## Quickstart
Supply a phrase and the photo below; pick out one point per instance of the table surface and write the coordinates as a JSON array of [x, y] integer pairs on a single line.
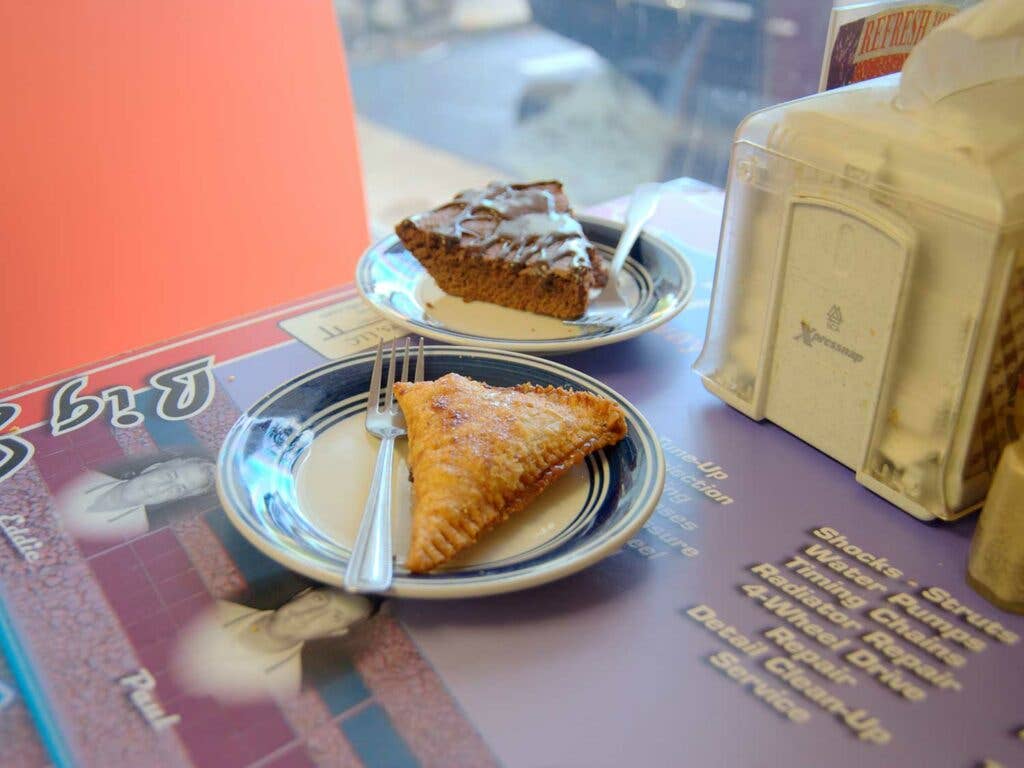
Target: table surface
[[701, 642]]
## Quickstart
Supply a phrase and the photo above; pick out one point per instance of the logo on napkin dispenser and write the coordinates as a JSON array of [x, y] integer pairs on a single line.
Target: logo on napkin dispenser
[[811, 336], [834, 318]]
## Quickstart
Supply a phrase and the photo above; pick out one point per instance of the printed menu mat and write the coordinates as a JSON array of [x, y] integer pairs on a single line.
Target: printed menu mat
[[20, 745], [151, 631], [771, 611]]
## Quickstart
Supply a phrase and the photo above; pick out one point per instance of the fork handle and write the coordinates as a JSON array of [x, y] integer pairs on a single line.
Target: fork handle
[[370, 567], [642, 206]]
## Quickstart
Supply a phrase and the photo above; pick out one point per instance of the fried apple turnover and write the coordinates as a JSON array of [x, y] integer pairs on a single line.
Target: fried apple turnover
[[479, 454]]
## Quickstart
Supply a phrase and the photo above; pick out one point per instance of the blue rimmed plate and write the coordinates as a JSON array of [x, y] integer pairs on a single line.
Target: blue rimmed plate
[[295, 470], [657, 282]]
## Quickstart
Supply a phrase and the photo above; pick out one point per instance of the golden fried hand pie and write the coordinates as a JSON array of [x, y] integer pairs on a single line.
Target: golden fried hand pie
[[479, 454]]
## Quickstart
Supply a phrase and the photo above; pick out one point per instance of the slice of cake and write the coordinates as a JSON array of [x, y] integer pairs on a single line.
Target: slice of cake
[[479, 454], [517, 245]]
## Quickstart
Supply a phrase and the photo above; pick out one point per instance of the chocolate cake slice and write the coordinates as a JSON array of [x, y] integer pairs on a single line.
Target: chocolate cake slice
[[517, 245]]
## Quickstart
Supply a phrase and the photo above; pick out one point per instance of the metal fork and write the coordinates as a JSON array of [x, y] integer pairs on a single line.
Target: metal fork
[[609, 307], [370, 566]]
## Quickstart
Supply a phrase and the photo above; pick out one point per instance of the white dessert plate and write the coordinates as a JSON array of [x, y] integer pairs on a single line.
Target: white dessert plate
[[294, 473], [657, 281]]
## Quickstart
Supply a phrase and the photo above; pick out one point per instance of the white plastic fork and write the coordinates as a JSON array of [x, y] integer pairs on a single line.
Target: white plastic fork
[[370, 568], [609, 307]]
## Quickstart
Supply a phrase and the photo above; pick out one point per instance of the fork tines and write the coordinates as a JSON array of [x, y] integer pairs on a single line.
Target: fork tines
[[375, 394]]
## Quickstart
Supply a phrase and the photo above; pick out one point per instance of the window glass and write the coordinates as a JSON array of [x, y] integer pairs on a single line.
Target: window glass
[[601, 94]]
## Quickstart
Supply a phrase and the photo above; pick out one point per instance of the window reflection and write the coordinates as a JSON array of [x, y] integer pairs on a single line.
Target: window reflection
[[603, 94]]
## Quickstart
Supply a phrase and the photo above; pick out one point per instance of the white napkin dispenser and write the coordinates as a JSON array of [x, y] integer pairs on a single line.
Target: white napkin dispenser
[[869, 292]]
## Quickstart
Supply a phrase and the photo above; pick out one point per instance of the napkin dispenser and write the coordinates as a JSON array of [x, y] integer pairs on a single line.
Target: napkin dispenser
[[869, 290]]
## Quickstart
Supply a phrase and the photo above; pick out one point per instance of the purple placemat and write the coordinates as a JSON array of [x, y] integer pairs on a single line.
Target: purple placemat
[[148, 630], [706, 640], [771, 612]]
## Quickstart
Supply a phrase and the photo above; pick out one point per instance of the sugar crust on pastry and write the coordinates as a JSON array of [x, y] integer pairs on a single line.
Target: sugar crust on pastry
[[479, 454]]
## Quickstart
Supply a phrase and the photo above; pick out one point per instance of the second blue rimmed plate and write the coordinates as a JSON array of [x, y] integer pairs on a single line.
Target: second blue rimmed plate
[[657, 282], [294, 472]]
